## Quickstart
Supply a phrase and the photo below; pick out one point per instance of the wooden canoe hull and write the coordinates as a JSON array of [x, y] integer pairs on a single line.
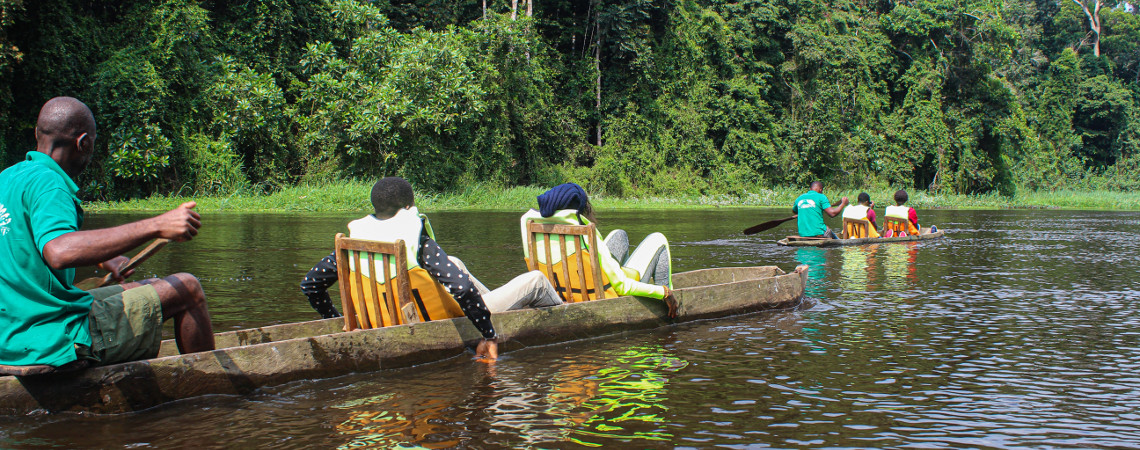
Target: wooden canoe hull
[[863, 241], [248, 359]]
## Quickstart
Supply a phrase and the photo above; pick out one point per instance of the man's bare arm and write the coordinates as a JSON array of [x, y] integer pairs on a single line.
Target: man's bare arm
[[835, 210], [91, 247]]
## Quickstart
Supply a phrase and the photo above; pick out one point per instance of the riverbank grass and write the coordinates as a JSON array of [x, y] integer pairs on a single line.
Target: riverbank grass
[[354, 196]]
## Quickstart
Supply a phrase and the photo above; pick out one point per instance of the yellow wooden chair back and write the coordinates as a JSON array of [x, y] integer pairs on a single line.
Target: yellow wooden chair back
[[367, 304], [855, 228], [576, 274], [899, 225]]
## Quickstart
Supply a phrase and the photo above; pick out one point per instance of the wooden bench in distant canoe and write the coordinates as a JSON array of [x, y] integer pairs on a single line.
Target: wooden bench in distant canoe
[[801, 238], [582, 282]]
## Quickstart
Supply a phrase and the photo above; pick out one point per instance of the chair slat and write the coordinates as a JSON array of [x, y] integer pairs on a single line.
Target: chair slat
[[342, 268], [598, 285], [532, 262], [375, 313], [404, 287], [581, 266], [566, 297], [566, 266], [393, 301], [364, 317]]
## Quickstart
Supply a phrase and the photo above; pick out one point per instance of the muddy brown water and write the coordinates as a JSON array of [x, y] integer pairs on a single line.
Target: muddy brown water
[[1019, 329]]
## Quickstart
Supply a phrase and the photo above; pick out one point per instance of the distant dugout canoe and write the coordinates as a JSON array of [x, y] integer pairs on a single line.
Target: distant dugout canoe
[[862, 241], [273, 355]]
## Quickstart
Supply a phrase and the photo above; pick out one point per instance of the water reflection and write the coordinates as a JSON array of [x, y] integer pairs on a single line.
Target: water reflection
[[816, 260], [901, 266], [1021, 329], [618, 394], [859, 270], [622, 400]]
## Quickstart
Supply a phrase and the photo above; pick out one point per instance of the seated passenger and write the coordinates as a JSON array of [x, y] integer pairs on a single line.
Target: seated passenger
[[44, 319], [396, 217], [900, 211], [645, 272], [863, 211]]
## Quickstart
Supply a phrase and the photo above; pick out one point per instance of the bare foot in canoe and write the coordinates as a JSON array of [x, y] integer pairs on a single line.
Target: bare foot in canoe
[[671, 303]]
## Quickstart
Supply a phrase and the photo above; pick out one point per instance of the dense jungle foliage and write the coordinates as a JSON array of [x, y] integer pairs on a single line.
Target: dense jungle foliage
[[630, 97]]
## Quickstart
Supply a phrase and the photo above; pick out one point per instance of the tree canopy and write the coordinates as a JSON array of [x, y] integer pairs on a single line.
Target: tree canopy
[[629, 97]]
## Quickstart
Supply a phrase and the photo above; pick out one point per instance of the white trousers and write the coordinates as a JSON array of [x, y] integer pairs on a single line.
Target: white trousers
[[529, 290], [651, 258]]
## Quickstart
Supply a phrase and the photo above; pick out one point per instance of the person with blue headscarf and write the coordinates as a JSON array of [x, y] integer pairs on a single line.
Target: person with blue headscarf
[[395, 217], [644, 272]]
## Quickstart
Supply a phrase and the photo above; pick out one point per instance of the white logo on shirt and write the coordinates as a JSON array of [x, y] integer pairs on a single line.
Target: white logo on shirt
[[807, 203], [5, 219]]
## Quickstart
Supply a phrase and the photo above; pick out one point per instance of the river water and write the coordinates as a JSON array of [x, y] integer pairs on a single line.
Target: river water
[[1019, 329]]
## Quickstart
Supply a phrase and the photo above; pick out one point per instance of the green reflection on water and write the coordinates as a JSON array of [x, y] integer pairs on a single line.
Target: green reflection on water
[[614, 396], [816, 259], [612, 399]]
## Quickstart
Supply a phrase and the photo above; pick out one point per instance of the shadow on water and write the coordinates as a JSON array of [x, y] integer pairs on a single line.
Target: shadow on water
[[1020, 329]]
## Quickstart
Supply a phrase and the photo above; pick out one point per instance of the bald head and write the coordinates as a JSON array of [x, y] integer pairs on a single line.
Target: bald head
[[64, 119], [816, 186], [65, 130]]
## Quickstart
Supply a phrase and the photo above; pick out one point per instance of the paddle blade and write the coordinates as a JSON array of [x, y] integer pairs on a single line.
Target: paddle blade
[[767, 225], [91, 283], [150, 250]]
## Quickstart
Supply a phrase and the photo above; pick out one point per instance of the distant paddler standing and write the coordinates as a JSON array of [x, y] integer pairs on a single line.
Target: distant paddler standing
[[44, 319], [810, 208]]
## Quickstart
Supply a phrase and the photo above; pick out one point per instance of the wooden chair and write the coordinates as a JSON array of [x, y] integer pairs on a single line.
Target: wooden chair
[[855, 228], [583, 282], [364, 305], [896, 224]]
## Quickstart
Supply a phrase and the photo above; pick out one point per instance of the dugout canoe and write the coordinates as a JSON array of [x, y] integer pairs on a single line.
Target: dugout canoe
[[272, 355], [790, 241]]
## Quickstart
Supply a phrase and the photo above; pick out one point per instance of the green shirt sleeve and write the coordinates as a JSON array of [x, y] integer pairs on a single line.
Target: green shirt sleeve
[[54, 214]]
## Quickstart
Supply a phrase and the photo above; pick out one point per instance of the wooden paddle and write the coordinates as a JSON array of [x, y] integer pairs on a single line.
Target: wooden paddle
[[150, 250], [767, 225]]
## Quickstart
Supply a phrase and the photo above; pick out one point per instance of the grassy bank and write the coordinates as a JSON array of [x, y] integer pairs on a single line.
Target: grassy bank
[[353, 196]]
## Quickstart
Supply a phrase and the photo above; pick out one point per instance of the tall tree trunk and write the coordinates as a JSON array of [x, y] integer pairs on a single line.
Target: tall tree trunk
[[598, 80], [515, 9], [1094, 21], [530, 8], [484, 9]]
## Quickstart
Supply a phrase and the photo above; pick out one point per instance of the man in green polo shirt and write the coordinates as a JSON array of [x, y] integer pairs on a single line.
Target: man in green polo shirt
[[44, 318], [810, 208]]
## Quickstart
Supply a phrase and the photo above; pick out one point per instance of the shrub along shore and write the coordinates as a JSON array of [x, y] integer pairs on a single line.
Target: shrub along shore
[[353, 196]]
